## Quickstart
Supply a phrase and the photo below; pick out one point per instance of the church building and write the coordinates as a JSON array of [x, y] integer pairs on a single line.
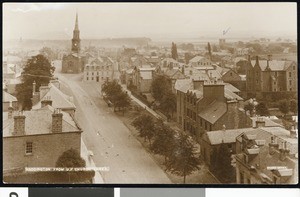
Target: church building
[[74, 62]]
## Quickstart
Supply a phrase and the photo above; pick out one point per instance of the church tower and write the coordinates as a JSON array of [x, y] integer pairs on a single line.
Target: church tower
[[76, 39]]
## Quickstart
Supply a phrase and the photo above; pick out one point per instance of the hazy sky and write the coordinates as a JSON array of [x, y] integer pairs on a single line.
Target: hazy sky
[[154, 20]]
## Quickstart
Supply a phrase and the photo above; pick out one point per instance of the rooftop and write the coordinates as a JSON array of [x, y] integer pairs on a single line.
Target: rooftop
[[39, 121]]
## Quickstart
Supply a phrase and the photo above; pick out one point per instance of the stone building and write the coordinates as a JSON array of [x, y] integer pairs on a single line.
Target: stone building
[[267, 156], [142, 78], [74, 62], [51, 94], [99, 69], [271, 76], [208, 106], [8, 101], [37, 138], [234, 79]]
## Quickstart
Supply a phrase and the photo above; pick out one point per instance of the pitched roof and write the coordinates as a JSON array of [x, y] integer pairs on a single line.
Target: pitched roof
[[274, 65], [59, 99], [183, 85], [197, 59], [231, 95], [231, 87], [39, 121], [268, 122], [225, 136], [213, 111], [6, 97]]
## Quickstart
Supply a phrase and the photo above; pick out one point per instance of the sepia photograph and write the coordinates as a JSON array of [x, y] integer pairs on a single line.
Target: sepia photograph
[[150, 93]]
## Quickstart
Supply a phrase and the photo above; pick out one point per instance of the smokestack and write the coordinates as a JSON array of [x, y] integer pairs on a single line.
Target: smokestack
[[57, 117], [269, 57], [19, 124]]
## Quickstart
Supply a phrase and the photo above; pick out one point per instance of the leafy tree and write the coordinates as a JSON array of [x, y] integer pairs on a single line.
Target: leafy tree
[[284, 106], [214, 48], [145, 125], [48, 53], [294, 106], [188, 57], [168, 103], [37, 69], [159, 87], [224, 169], [249, 107], [174, 51], [122, 100], [183, 160], [114, 93], [72, 159], [262, 110], [163, 142]]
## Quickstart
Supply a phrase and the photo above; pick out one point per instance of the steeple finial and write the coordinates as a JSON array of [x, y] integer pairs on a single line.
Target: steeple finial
[[76, 22]]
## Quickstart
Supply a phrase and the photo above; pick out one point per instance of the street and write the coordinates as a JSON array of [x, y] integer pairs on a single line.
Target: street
[[108, 138]]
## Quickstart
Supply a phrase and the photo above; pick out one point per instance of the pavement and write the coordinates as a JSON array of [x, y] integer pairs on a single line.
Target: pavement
[[108, 138]]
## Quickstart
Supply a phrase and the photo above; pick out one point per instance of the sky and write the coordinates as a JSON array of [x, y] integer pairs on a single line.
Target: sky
[[153, 20]]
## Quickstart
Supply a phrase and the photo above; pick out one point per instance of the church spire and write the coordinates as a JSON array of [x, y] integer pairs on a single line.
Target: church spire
[[76, 22]]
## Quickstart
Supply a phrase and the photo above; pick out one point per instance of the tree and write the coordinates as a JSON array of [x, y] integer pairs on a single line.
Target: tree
[[174, 51], [183, 160], [163, 142], [72, 159], [284, 106], [48, 53], [294, 106], [224, 169], [114, 93], [168, 103], [122, 100], [145, 125], [262, 110], [249, 107], [209, 51], [159, 87], [37, 69]]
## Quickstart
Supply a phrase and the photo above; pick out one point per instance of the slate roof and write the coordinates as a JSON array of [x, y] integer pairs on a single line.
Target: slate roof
[[274, 65], [183, 85], [6, 97], [268, 122], [59, 99], [231, 87], [197, 59], [39, 121], [260, 166], [227, 136], [213, 111]]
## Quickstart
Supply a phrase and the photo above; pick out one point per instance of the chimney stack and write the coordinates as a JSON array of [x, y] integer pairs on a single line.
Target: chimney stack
[[10, 112], [19, 124], [284, 152], [260, 122], [46, 102], [269, 57], [257, 60], [293, 132], [33, 87], [57, 117], [273, 146], [198, 84]]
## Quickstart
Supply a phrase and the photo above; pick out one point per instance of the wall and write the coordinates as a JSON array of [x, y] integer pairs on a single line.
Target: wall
[[46, 149]]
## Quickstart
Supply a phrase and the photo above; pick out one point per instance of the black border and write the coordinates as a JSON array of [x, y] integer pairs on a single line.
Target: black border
[[152, 185]]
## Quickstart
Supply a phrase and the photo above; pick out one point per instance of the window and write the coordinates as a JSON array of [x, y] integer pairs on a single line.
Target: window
[[290, 82], [274, 82], [294, 67], [275, 74], [92, 73], [87, 78], [28, 148], [231, 74], [210, 127], [290, 74]]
